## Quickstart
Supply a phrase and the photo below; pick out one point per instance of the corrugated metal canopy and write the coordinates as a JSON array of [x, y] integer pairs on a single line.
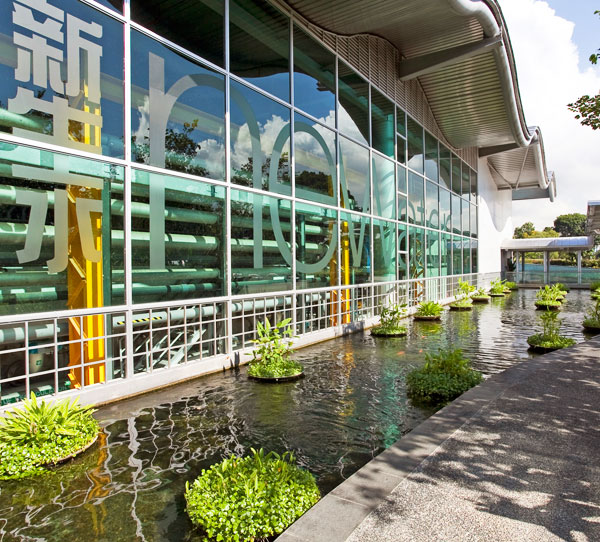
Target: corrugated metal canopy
[[461, 53]]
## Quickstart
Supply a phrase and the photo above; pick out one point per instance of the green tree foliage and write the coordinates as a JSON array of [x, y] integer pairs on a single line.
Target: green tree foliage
[[570, 225], [527, 231], [587, 108]]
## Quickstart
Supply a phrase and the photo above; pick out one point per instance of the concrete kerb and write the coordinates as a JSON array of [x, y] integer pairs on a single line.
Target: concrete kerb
[[340, 512]]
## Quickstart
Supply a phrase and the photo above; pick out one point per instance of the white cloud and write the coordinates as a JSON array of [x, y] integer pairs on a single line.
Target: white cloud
[[550, 78]]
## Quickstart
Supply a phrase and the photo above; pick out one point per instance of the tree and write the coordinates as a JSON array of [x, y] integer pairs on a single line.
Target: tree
[[587, 108], [570, 225], [524, 231]]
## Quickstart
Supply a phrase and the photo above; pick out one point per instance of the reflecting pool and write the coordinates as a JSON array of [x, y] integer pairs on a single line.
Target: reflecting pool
[[351, 405]]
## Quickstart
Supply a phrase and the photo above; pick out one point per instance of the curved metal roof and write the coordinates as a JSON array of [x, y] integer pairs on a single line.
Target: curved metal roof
[[461, 54], [549, 244]]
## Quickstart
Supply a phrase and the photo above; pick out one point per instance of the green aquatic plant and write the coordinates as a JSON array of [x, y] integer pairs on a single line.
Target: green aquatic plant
[[390, 321], [511, 285], [550, 337], [445, 375], [41, 434], [480, 294], [592, 316], [271, 355], [595, 285], [250, 498], [429, 309], [463, 301], [497, 287], [548, 297], [561, 287]]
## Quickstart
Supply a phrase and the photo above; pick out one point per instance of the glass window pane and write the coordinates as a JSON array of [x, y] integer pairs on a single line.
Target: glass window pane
[[382, 123], [354, 176], [474, 231], [445, 167], [400, 121], [261, 253], [178, 238], [445, 216], [456, 174], [259, 45], [314, 78], [401, 178], [179, 23], [356, 249], [416, 199], [314, 153], [403, 265], [415, 145], [354, 104], [260, 146], [433, 253], [466, 181], [445, 254], [431, 157], [58, 209], [416, 251], [474, 257], [457, 261], [465, 217], [456, 214], [473, 186], [117, 5], [401, 149], [183, 132], [384, 250], [402, 207], [402, 238], [316, 246], [433, 213], [466, 256], [77, 105], [384, 187]]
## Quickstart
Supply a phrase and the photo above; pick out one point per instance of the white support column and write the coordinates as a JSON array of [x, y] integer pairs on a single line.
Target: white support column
[[579, 267], [546, 267]]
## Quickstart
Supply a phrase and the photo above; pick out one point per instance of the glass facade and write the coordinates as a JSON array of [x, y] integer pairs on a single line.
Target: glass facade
[[284, 186]]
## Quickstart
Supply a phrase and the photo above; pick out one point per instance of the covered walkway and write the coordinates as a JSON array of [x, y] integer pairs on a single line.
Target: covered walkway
[[516, 458]]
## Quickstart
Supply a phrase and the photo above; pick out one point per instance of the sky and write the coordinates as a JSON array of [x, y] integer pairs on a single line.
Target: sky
[[552, 41]]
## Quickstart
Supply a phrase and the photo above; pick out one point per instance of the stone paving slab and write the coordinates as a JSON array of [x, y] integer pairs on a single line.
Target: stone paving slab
[[514, 459]]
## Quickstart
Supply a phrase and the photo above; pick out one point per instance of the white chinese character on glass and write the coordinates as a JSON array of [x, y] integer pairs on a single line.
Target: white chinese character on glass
[[40, 40]]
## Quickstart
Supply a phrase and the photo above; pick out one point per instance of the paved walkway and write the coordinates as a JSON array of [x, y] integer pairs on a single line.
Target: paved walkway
[[514, 459]]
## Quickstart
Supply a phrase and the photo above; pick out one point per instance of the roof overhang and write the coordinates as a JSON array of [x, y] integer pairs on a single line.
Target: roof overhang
[[461, 54], [549, 244]]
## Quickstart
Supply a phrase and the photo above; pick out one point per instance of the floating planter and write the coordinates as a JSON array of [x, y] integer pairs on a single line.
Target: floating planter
[[250, 498], [497, 288], [480, 296], [42, 435], [389, 322], [429, 310], [271, 360], [445, 376], [550, 338], [512, 286], [591, 322], [464, 302], [548, 298], [548, 305]]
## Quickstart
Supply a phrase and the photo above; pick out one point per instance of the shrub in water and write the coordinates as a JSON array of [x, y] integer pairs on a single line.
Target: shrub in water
[[561, 287], [497, 287], [429, 308], [595, 285], [511, 285], [250, 498], [41, 434], [445, 376], [550, 338], [548, 297], [480, 294], [271, 356], [389, 321], [464, 296], [592, 316]]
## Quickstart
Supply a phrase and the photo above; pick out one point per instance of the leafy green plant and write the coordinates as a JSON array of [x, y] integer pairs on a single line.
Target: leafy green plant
[[390, 321], [429, 308], [596, 293], [592, 316], [250, 498], [595, 285], [445, 375], [497, 287], [463, 298], [271, 356], [41, 434], [481, 293], [561, 287], [511, 285], [548, 296], [550, 336]]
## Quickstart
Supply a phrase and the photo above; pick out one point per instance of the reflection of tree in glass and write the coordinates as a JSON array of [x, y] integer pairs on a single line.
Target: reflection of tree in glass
[[180, 150], [243, 175], [316, 181]]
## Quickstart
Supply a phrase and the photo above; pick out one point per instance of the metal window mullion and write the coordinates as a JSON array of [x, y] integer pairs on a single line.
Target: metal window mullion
[[293, 180], [228, 266], [55, 324]]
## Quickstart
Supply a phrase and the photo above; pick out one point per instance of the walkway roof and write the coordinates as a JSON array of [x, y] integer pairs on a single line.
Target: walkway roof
[[461, 54], [549, 244]]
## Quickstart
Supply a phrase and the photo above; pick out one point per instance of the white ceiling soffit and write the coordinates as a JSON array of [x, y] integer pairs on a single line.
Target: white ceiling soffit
[[461, 53]]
